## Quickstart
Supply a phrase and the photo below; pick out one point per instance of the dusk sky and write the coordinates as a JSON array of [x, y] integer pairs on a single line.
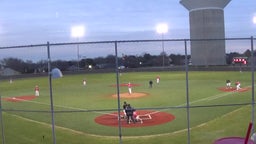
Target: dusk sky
[[38, 21]]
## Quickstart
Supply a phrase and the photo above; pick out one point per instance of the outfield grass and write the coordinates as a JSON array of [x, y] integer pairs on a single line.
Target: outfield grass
[[76, 107]]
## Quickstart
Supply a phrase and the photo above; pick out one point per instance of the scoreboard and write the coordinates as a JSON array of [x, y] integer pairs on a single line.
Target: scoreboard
[[240, 60]]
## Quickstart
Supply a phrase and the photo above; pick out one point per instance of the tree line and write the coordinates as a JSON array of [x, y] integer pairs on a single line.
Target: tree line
[[125, 61]]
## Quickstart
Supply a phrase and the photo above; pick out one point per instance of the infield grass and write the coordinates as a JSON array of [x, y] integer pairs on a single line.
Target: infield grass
[[76, 106]]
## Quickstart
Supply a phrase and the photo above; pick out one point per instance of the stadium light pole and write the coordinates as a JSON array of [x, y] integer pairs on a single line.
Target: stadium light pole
[[162, 28], [77, 32]]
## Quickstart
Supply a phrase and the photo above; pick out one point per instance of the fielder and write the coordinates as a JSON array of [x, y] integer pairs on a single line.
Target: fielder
[[84, 82], [238, 85], [36, 90], [157, 79]]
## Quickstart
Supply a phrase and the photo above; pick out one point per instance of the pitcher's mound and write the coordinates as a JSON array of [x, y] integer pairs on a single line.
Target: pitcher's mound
[[133, 95]]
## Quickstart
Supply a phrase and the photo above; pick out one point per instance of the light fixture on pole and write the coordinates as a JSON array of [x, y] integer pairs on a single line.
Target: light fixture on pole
[[162, 28], [77, 32]]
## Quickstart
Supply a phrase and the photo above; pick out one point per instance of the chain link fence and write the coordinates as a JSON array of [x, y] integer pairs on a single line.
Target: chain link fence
[[110, 63]]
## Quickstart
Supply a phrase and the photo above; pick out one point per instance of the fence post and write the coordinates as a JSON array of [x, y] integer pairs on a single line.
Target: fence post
[[252, 70], [118, 96], [2, 123], [187, 93], [50, 87]]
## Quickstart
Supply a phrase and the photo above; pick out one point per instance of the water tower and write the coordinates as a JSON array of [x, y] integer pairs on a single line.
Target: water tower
[[206, 18]]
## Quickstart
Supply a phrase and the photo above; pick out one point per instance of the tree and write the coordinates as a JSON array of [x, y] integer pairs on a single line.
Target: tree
[[247, 53], [177, 59], [15, 64], [131, 62], [86, 62], [110, 59]]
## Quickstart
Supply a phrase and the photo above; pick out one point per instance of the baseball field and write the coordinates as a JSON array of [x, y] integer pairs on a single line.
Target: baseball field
[[88, 114]]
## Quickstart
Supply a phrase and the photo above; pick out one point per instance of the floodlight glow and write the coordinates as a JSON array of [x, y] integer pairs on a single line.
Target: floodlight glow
[[77, 31], [254, 19], [162, 28]]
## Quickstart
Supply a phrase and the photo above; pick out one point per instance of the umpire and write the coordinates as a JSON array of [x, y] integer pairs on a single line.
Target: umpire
[[129, 113]]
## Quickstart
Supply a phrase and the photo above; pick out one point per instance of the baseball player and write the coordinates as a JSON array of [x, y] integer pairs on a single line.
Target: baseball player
[[150, 84], [238, 85], [129, 112], [137, 117], [36, 90], [228, 84], [157, 79], [84, 82], [129, 88], [124, 107]]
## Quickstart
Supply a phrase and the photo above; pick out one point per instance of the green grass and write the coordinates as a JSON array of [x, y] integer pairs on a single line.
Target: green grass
[[75, 121]]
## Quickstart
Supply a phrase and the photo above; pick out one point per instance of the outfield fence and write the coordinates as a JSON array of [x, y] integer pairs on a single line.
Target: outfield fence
[[122, 56]]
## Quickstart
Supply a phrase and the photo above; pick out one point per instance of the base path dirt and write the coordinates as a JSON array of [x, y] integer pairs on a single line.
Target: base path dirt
[[233, 89], [19, 98], [149, 118]]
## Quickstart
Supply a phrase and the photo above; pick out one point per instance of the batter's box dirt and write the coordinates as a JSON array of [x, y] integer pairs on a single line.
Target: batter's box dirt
[[19, 98], [156, 118], [233, 89]]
